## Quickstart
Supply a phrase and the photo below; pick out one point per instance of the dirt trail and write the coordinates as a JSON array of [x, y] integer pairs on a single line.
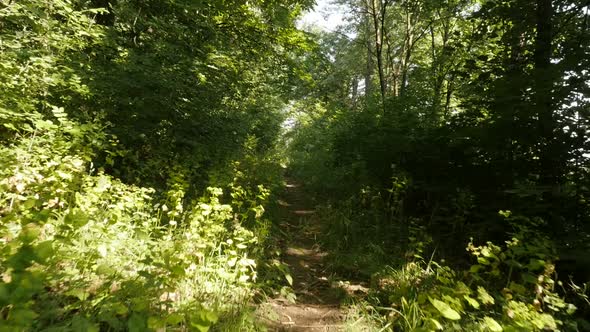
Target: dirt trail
[[317, 307]]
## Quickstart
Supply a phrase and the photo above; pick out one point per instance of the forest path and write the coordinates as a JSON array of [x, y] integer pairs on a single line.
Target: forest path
[[317, 306]]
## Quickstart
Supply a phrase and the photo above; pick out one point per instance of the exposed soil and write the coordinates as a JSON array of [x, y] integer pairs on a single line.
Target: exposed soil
[[317, 307]]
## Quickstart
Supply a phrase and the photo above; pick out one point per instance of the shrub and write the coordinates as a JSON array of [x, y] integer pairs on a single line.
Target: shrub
[[80, 250]]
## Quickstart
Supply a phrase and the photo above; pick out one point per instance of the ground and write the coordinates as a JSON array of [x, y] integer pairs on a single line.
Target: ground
[[318, 293]]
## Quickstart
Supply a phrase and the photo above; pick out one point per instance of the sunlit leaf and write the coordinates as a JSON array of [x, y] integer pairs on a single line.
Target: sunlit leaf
[[156, 323], [436, 324], [492, 325], [473, 302], [445, 309], [174, 319], [484, 296], [79, 293]]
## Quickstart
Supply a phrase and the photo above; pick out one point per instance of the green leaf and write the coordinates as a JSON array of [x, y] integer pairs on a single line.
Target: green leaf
[[200, 326], [174, 319], [139, 304], [571, 309], [105, 269], [83, 324], [529, 278], [472, 302], [177, 270], [536, 264], [475, 268], [103, 184], [136, 323], [484, 296], [30, 203], [492, 325], [486, 252], [23, 316], [232, 262], [289, 279], [76, 218], [4, 292], [291, 297], [518, 288], [119, 308], [156, 323], [436, 324], [29, 233], [9, 126], [483, 261], [81, 294], [204, 320], [445, 309], [211, 316], [44, 251]]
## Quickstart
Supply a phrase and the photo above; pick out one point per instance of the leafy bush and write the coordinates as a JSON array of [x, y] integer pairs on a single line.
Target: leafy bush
[[81, 250], [509, 288], [162, 225]]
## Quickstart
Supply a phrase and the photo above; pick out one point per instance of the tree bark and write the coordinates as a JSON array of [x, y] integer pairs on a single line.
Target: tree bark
[[369, 68], [378, 13], [409, 44], [549, 156]]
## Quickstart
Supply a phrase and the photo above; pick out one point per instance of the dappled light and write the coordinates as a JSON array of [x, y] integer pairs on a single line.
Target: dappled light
[[294, 165]]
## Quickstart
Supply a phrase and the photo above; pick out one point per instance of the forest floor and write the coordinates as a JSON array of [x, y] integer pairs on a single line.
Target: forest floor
[[318, 303]]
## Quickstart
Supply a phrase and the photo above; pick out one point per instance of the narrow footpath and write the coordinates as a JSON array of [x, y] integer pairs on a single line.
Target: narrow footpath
[[317, 306]]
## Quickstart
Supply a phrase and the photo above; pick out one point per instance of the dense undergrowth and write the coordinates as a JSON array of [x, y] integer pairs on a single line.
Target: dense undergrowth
[[83, 251], [134, 176], [140, 146], [447, 149], [436, 258]]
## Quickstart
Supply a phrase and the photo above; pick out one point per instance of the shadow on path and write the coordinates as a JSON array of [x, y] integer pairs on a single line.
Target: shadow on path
[[317, 307]]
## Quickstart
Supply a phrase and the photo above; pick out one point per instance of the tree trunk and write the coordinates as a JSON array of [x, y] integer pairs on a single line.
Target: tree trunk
[[406, 66], [549, 156], [437, 81], [378, 13], [355, 88], [409, 43], [369, 69]]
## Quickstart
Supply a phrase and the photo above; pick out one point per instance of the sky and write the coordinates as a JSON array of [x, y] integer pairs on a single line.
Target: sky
[[325, 15]]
